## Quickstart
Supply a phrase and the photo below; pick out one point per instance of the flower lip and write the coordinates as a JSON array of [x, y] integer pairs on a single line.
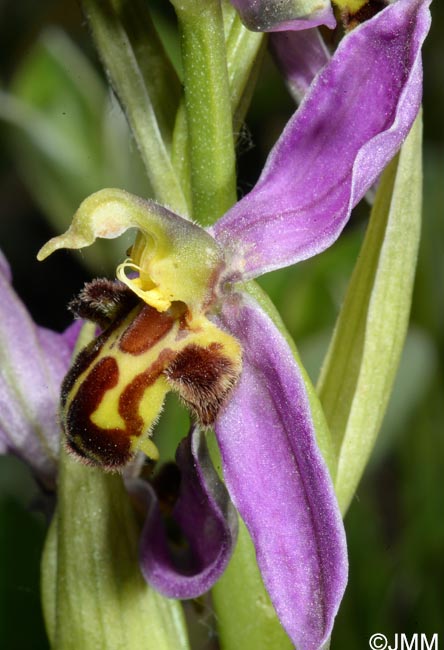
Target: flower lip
[[113, 393]]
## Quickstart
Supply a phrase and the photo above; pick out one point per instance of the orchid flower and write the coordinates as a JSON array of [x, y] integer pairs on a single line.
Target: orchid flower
[[31, 374], [184, 319]]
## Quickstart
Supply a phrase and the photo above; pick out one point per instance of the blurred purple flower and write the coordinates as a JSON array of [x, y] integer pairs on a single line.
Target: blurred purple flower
[[34, 361], [299, 57]]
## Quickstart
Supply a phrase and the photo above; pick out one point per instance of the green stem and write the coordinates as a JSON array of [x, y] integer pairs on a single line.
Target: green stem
[[246, 618], [145, 83], [245, 50], [181, 151], [208, 108]]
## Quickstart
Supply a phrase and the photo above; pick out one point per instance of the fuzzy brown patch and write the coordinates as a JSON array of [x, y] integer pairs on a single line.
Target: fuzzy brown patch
[[85, 358], [102, 301], [204, 378]]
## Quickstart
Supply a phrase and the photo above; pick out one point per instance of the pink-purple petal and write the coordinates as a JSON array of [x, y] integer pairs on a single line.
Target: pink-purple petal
[[33, 362], [299, 57], [207, 520], [71, 334], [5, 269], [282, 15], [279, 483], [3, 443], [352, 121]]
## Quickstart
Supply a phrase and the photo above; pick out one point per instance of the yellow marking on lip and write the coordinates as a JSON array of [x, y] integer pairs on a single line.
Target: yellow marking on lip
[[107, 416], [152, 399], [147, 446]]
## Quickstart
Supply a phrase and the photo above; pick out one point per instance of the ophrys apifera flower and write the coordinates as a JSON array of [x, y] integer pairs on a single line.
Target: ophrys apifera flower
[[190, 323]]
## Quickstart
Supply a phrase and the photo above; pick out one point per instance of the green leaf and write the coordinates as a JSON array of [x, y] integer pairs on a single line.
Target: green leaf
[[363, 357], [245, 51], [67, 138], [93, 592], [145, 83], [245, 616]]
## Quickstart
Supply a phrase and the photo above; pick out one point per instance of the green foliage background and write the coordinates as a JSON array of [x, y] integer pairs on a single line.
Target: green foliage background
[[396, 523]]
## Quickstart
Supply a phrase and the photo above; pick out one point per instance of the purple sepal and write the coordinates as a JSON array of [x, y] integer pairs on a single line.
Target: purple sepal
[[283, 15], [5, 269], [352, 121], [299, 57], [3, 443], [278, 480], [34, 361], [207, 520], [71, 334]]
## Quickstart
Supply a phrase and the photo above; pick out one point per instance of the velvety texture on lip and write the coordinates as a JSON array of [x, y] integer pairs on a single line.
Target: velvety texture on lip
[[352, 121]]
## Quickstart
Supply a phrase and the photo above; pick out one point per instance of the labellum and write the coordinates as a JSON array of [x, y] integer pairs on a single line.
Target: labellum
[[114, 392]]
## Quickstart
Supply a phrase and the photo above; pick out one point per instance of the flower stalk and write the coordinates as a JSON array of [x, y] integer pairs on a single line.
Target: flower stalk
[[208, 108], [244, 54]]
